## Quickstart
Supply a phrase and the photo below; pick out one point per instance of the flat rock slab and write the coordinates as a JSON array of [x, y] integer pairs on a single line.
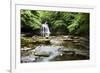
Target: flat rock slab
[[44, 53], [25, 49]]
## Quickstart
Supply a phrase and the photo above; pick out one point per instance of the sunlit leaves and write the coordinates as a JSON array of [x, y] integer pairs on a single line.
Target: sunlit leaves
[[29, 19], [68, 22]]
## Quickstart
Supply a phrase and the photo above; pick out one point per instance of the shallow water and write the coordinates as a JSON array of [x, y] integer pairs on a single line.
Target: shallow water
[[57, 50]]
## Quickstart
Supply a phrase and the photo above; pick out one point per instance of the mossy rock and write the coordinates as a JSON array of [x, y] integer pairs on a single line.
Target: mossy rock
[[43, 41], [25, 52], [27, 42], [43, 54]]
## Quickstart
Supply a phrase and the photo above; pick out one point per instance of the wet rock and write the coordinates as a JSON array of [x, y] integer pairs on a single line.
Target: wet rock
[[83, 39], [43, 54], [76, 41], [68, 52], [25, 49], [76, 37], [68, 39], [28, 59]]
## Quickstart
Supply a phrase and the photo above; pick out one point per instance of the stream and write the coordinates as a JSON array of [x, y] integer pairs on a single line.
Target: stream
[[56, 49]]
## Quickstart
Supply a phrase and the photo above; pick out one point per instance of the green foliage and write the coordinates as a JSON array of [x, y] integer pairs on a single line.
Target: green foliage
[[28, 19], [75, 23], [80, 25], [84, 25], [58, 24]]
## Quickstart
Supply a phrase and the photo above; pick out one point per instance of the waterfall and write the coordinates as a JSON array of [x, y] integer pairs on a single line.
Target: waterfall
[[45, 30]]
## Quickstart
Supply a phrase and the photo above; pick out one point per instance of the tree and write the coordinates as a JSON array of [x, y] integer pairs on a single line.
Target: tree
[[75, 23]]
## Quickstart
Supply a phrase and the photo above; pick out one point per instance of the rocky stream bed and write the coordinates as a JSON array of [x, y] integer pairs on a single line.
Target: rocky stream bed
[[54, 48]]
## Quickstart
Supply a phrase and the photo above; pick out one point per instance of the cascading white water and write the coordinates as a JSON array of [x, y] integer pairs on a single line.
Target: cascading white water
[[45, 30]]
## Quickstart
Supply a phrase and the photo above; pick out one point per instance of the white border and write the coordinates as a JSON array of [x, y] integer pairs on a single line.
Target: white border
[[33, 67]]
